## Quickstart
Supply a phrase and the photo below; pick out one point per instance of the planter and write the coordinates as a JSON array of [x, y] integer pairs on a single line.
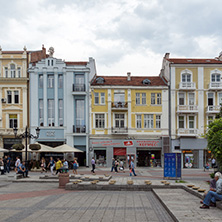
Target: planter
[[34, 147], [63, 179]]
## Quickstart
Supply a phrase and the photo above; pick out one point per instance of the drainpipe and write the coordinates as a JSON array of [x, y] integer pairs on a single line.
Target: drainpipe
[[169, 96]]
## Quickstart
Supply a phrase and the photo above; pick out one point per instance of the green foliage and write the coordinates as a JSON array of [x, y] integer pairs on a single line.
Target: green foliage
[[18, 146], [180, 181], [35, 146], [211, 175], [214, 139]]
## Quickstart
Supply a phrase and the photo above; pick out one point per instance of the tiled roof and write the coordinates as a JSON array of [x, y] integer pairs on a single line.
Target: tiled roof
[[194, 61], [76, 63], [12, 52], [135, 81]]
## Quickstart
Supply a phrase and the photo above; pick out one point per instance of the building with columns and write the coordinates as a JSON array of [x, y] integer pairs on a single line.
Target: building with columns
[[59, 103], [14, 93], [129, 119], [195, 98]]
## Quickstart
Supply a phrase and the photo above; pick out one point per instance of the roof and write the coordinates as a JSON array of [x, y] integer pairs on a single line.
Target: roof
[[194, 61], [76, 63], [135, 81], [12, 52]]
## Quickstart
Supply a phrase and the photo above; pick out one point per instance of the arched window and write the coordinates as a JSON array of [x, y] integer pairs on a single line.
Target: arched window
[[12, 69]]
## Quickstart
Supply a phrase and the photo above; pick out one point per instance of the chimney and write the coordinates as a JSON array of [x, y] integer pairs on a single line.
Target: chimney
[[167, 55], [128, 76]]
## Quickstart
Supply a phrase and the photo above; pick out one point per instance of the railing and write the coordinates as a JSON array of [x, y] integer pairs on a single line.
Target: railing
[[117, 130], [78, 88], [187, 108], [188, 132], [215, 85], [79, 128], [187, 85], [212, 109], [119, 105]]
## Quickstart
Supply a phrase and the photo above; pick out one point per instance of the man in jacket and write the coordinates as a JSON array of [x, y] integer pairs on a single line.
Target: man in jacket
[[213, 194]]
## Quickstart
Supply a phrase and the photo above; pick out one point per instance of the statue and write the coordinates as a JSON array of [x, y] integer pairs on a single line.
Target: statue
[[51, 51]]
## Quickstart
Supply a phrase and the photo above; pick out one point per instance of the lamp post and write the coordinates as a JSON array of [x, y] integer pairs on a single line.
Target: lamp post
[[25, 136]]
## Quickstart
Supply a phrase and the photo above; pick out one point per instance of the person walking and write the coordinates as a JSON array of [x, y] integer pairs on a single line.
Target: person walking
[[132, 167], [43, 165], [113, 165], [8, 164], [5, 163], [93, 162], [75, 166], [58, 166], [17, 162], [51, 165], [116, 166]]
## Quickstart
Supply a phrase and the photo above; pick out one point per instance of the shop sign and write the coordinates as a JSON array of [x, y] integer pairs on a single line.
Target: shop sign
[[106, 143], [119, 151], [128, 143], [50, 133], [148, 143]]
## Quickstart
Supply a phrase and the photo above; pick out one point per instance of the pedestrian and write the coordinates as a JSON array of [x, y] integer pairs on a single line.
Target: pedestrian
[[113, 165], [51, 165], [8, 163], [116, 166], [58, 166], [75, 166], [65, 166], [213, 162], [93, 162], [22, 170], [214, 194], [121, 166], [5, 163], [132, 167], [43, 165], [2, 166], [17, 162]]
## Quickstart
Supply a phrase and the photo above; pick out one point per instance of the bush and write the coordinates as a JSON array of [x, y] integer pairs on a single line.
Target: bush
[[18, 146], [34, 146]]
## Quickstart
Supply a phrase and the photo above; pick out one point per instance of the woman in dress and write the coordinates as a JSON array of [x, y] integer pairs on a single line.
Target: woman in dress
[[43, 165]]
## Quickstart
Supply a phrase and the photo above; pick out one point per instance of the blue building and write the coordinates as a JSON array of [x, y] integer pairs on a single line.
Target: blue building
[[59, 103]]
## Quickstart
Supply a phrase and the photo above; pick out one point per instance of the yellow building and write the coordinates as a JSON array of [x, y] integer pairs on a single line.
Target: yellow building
[[14, 93], [195, 95], [129, 119]]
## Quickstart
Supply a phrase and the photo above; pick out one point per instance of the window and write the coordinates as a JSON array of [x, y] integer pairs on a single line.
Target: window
[[100, 120], [16, 97], [186, 77], [60, 112], [158, 121], [158, 99], [96, 98], [153, 98], [181, 122], [215, 77], [50, 81], [219, 98], [119, 120], [79, 82], [60, 80], [210, 120], [119, 97], [19, 72], [191, 122], [148, 121], [41, 114], [137, 98], [210, 99], [52, 62], [181, 99], [6, 72], [48, 62], [138, 121], [13, 122], [51, 112], [40, 81], [9, 96], [12, 68], [80, 112], [143, 98], [191, 99], [102, 97]]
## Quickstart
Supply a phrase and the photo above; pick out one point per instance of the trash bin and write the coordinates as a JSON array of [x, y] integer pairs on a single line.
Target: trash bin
[[63, 179]]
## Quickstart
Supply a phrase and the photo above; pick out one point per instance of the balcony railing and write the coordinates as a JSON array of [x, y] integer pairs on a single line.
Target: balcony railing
[[187, 85], [117, 130], [215, 85], [187, 132], [79, 129], [213, 109], [78, 88], [187, 108], [119, 105]]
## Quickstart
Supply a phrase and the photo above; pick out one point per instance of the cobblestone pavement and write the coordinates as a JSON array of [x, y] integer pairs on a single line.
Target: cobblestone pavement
[[41, 203]]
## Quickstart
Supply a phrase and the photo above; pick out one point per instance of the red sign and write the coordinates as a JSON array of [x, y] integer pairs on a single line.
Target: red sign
[[128, 143], [119, 151], [149, 143]]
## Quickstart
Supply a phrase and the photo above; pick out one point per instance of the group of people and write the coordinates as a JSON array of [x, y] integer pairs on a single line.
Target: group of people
[[5, 164]]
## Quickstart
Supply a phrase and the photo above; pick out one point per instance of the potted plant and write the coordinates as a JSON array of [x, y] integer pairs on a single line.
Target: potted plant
[[18, 146]]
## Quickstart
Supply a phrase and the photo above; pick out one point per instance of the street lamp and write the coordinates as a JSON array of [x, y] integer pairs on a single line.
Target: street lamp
[[25, 136]]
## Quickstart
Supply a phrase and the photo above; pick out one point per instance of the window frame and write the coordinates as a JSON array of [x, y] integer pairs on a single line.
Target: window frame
[[148, 121], [139, 121], [51, 81], [99, 120]]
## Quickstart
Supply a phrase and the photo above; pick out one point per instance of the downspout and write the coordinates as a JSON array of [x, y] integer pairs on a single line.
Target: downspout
[[169, 96]]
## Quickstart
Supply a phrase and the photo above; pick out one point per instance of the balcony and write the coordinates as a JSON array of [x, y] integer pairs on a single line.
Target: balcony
[[78, 89], [116, 130], [79, 129], [213, 109], [187, 109], [187, 132], [119, 106], [215, 85], [187, 85]]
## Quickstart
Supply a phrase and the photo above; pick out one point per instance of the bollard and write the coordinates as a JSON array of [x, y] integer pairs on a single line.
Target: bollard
[[63, 179]]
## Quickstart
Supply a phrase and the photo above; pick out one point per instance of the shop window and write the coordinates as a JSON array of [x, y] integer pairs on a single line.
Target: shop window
[[177, 147]]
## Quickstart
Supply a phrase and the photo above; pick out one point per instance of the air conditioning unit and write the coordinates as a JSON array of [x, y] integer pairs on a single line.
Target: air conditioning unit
[[3, 100]]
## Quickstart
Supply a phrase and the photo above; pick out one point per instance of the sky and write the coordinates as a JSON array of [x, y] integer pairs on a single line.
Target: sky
[[121, 35]]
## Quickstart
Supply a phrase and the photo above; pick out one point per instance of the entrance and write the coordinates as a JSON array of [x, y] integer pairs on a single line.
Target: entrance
[[149, 158], [100, 157]]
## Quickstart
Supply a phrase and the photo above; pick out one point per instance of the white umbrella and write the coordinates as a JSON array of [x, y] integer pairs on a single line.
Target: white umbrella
[[4, 150], [66, 149]]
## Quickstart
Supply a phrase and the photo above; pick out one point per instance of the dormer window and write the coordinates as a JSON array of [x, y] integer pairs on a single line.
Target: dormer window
[[146, 82], [100, 80]]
